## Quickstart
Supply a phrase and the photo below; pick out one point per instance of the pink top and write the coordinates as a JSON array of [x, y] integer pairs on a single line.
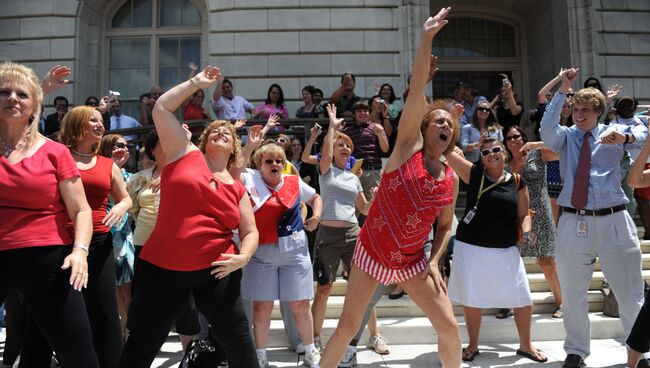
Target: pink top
[[196, 217], [263, 111], [31, 208], [395, 231]]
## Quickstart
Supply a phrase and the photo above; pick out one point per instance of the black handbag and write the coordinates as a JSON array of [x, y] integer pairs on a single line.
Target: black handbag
[[201, 354]]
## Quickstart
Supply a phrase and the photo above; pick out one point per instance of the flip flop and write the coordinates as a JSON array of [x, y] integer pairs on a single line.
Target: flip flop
[[503, 313], [529, 355], [558, 312], [469, 356]]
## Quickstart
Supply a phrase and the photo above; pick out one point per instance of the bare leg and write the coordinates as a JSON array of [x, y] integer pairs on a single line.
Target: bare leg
[[123, 301], [438, 310], [633, 357], [319, 306], [361, 287], [261, 322], [523, 320], [304, 321], [549, 268], [473, 323], [186, 340]]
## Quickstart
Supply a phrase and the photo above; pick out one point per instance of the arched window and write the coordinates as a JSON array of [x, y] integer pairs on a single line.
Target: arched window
[[151, 42]]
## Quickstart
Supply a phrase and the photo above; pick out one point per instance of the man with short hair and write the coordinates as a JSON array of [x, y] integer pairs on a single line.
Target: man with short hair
[[227, 105], [122, 121], [594, 223], [344, 97], [53, 121]]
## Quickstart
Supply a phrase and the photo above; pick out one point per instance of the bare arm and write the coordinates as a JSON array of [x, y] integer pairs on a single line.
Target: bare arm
[[74, 198], [54, 79], [363, 204], [316, 204], [255, 139], [510, 97], [328, 142], [307, 157], [461, 166], [172, 136], [216, 95], [637, 177], [249, 237], [120, 196], [408, 136], [523, 215]]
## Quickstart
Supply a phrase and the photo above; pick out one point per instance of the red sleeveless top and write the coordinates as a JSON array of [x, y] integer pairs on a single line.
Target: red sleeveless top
[[404, 209], [97, 186]]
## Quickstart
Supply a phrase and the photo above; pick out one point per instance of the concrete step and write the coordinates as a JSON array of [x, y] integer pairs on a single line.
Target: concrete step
[[418, 330], [543, 303], [532, 267]]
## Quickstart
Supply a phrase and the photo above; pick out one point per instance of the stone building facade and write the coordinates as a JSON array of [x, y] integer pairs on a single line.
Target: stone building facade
[[129, 45]]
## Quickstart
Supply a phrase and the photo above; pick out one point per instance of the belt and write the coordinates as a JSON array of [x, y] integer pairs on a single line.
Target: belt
[[599, 212], [371, 167]]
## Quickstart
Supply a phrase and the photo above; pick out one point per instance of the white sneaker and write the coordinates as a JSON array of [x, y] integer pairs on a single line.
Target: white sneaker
[[300, 348], [262, 360], [318, 344], [379, 344], [349, 360], [312, 359]]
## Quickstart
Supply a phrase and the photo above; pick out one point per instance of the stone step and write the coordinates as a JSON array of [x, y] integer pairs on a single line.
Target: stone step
[[536, 280], [418, 330], [543, 303]]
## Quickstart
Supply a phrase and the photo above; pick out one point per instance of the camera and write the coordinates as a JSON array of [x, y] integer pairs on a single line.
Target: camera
[[112, 94], [382, 102]]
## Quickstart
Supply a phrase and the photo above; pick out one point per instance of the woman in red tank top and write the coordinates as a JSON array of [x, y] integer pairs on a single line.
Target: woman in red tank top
[[82, 131], [191, 250], [416, 188]]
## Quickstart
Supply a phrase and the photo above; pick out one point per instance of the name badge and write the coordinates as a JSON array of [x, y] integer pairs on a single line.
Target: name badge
[[581, 228], [469, 216]]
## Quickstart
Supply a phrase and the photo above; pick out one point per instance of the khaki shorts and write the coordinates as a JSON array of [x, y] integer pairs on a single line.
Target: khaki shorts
[[333, 245]]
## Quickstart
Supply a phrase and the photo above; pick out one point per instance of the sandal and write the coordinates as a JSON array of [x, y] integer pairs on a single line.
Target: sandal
[[468, 356], [558, 312], [503, 313], [535, 356]]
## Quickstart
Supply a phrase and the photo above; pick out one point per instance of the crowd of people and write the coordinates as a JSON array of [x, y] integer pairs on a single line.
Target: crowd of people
[[104, 262]]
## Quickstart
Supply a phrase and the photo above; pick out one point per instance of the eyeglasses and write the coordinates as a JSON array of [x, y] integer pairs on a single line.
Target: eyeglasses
[[495, 149], [120, 145], [570, 94], [276, 161], [484, 109], [280, 140], [513, 137]]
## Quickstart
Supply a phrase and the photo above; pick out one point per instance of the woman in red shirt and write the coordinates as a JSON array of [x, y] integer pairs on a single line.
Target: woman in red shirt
[[191, 248], [193, 109], [82, 130], [40, 190]]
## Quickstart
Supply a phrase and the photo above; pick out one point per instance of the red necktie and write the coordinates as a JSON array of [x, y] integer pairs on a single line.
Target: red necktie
[[581, 181]]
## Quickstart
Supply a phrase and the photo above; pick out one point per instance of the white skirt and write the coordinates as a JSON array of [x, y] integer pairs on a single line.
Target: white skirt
[[488, 277]]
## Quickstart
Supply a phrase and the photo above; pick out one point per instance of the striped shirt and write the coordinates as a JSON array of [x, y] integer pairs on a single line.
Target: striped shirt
[[366, 143]]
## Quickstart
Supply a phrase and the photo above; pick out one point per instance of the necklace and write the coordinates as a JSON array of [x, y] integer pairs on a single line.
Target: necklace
[[6, 149], [82, 154]]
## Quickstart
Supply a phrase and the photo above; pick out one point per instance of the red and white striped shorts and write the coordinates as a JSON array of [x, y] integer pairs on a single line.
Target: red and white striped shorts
[[384, 275]]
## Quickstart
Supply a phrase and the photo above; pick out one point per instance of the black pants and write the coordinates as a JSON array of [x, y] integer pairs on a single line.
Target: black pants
[[639, 338], [57, 309], [161, 296]]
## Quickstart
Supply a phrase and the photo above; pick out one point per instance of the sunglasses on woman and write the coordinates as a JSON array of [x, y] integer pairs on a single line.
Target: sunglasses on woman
[[271, 162], [120, 145], [281, 140], [495, 149], [513, 137], [484, 109]]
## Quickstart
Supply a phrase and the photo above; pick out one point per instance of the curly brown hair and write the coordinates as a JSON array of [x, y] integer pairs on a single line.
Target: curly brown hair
[[446, 105]]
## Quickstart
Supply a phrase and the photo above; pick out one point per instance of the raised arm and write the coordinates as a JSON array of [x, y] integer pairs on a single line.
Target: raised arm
[[216, 95], [328, 142], [408, 134], [255, 138], [541, 95], [307, 157], [55, 79], [172, 136], [638, 177], [550, 129]]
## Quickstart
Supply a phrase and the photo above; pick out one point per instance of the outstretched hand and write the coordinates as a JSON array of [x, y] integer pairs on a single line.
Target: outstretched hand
[[435, 23], [255, 136], [433, 67], [614, 91], [240, 123], [54, 79], [336, 123], [207, 77]]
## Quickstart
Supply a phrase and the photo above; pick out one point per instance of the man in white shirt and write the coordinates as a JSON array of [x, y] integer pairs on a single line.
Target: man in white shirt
[[226, 105], [121, 121]]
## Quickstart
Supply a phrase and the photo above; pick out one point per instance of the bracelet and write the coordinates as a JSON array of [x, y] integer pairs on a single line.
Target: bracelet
[[194, 83], [627, 138], [82, 247], [318, 217]]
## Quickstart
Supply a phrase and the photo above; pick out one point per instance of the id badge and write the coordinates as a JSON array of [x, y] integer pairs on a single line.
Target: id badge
[[470, 215], [581, 228]]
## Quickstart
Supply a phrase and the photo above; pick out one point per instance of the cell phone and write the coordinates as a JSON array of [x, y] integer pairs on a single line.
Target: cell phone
[[318, 127], [112, 94], [357, 165]]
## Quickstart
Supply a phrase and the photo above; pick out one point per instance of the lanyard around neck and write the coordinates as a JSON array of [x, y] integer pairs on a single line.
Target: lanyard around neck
[[481, 190]]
